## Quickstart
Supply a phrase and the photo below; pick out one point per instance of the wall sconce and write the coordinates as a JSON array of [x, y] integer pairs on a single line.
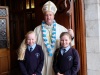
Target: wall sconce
[[30, 4], [27, 4]]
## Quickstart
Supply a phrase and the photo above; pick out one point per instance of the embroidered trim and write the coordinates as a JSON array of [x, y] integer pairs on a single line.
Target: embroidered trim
[[49, 46]]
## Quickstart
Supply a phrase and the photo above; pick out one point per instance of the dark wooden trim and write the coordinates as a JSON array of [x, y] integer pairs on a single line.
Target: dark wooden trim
[[80, 35]]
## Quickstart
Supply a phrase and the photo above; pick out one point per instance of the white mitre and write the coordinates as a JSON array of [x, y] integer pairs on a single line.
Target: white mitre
[[49, 6]]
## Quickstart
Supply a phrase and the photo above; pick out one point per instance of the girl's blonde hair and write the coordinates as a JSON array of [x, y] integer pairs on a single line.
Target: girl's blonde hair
[[22, 49], [30, 32]]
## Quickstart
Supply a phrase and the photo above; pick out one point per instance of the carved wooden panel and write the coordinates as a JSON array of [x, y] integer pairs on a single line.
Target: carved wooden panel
[[4, 61]]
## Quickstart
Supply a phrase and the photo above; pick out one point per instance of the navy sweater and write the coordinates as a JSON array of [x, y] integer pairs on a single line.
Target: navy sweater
[[33, 62], [67, 64]]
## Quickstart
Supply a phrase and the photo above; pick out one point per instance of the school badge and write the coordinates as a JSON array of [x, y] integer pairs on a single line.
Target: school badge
[[37, 55]]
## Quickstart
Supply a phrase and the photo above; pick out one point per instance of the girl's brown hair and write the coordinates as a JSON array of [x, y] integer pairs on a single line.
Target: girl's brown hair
[[65, 33]]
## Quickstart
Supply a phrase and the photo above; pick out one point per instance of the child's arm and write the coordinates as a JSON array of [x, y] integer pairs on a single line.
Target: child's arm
[[76, 65], [40, 66], [22, 67], [59, 74]]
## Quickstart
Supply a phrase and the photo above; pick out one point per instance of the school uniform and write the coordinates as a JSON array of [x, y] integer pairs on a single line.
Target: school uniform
[[33, 61], [67, 63]]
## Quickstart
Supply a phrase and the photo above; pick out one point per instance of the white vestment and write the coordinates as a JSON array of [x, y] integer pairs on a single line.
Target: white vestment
[[48, 60]]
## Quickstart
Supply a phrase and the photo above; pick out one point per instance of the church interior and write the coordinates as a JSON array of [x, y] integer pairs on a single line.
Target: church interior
[[23, 16]]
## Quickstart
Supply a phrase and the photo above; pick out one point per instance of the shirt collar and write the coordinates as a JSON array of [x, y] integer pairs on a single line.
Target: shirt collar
[[67, 48], [33, 46], [48, 26]]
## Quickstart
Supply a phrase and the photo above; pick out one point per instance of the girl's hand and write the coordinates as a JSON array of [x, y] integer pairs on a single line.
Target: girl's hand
[[33, 74], [59, 74]]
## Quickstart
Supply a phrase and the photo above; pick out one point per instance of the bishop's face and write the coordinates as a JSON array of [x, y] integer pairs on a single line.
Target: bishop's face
[[49, 17]]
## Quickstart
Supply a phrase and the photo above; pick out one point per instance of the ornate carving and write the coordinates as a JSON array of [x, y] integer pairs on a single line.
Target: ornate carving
[[69, 11], [62, 5]]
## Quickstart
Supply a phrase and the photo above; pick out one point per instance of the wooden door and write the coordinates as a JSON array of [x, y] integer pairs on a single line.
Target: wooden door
[[4, 41]]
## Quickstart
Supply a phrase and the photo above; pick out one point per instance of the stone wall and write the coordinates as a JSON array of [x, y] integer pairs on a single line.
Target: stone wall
[[92, 20]]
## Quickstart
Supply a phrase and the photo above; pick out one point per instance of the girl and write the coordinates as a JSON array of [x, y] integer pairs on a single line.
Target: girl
[[32, 63], [66, 59]]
